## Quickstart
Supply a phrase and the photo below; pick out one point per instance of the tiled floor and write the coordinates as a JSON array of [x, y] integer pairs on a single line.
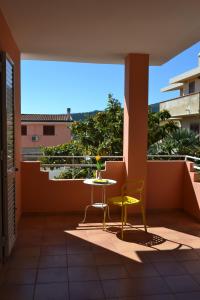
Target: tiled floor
[[57, 258]]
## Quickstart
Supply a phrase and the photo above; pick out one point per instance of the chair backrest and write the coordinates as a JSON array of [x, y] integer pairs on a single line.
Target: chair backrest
[[133, 188]]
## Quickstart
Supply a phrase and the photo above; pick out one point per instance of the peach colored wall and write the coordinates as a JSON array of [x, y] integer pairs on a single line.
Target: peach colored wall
[[164, 187], [8, 45], [62, 135], [191, 199], [165, 181], [39, 194]]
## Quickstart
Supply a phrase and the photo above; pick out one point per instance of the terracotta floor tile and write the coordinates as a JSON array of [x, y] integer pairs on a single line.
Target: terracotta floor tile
[[16, 292], [185, 254], [53, 261], [193, 267], [81, 260], [118, 288], [125, 298], [112, 272], [53, 240], [20, 276], [169, 268], [82, 273], [157, 256], [76, 249], [134, 287], [53, 250], [53, 291], [107, 259], [184, 283], [28, 241], [141, 270], [90, 258], [27, 251], [158, 297], [188, 296], [23, 262], [86, 290], [52, 275], [196, 277]]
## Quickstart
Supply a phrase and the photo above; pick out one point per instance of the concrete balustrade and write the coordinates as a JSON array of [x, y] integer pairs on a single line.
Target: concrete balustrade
[[169, 186]]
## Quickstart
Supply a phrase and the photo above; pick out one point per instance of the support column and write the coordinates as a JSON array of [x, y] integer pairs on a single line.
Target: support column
[[136, 115]]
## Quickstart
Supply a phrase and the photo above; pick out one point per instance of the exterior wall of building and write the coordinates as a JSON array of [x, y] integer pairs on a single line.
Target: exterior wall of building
[[62, 135], [8, 45], [187, 105], [187, 122], [186, 86]]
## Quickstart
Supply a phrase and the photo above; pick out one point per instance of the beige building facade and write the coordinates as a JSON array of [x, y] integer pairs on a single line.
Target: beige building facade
[[185, 109]]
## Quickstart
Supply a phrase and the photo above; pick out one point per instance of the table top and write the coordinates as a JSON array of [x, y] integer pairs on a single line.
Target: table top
[[107, 182]]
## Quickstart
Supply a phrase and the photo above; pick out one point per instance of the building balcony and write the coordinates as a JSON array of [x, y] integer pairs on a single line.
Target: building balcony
[[182, 106], [170, 186]]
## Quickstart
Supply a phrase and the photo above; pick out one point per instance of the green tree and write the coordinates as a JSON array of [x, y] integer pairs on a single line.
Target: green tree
[[178, 142], [159, 126], [102, 133]]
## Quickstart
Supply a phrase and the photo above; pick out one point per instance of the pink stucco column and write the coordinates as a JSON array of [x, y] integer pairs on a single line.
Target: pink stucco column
[[136, 115]]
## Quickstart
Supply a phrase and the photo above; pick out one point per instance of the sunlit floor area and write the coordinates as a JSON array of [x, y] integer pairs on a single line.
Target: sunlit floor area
[[57, 257]]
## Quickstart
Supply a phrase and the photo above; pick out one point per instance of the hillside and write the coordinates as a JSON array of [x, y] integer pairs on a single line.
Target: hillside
[[84, 115]]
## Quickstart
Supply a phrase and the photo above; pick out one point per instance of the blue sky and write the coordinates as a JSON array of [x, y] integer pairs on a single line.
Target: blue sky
[[51, 87]]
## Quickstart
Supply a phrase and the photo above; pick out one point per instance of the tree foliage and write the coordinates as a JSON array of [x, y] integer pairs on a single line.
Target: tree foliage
[[101, 134], [177, 142], [159, 126]]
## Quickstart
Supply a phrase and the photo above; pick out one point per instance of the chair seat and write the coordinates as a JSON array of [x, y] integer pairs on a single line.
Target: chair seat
[[126, 200]]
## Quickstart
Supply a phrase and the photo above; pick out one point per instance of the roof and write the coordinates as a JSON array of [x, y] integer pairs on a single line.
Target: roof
[[102, 31], [186, 75], [45, 118], [172, 87]]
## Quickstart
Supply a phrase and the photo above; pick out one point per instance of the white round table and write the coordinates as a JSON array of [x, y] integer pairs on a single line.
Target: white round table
[[103, 183]]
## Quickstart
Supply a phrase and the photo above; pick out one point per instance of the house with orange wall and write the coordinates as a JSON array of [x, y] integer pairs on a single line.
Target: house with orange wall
[[44, 130]]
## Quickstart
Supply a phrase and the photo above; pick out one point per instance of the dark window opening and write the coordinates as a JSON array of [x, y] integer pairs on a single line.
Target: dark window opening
[[194, 127], [23, 130], [48, 130], [191, 87]]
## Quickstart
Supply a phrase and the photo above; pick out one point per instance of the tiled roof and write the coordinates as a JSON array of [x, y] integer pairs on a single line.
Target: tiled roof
[[45, 118]]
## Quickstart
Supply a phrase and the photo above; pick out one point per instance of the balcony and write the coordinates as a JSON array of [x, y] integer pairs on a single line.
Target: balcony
[[182, 106], [170, 186]]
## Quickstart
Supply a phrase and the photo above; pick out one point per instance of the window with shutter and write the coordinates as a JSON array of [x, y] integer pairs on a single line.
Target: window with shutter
[[48, 130], [23, 130], [191, 87]]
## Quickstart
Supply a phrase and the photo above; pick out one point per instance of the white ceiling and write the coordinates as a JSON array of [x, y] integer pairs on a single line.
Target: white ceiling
[[102, 31]]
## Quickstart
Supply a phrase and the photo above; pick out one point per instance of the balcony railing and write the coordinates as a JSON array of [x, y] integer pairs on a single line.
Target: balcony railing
[[57, 165], [182, 106], [72, 166]]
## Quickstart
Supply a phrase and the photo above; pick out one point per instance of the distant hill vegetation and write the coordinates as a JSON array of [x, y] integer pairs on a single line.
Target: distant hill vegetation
[[84, 115]]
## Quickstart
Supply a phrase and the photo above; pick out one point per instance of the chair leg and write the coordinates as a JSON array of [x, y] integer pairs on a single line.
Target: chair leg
[[144, 217], [85, 214], [122, 219], [125, 214], [104, 217], [108, 209]]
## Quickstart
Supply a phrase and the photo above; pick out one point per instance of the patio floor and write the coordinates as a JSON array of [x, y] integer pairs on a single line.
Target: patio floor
[[57, 258]]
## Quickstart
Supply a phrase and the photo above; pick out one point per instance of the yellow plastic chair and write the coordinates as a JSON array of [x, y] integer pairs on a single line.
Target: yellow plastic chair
[[131, 194]]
